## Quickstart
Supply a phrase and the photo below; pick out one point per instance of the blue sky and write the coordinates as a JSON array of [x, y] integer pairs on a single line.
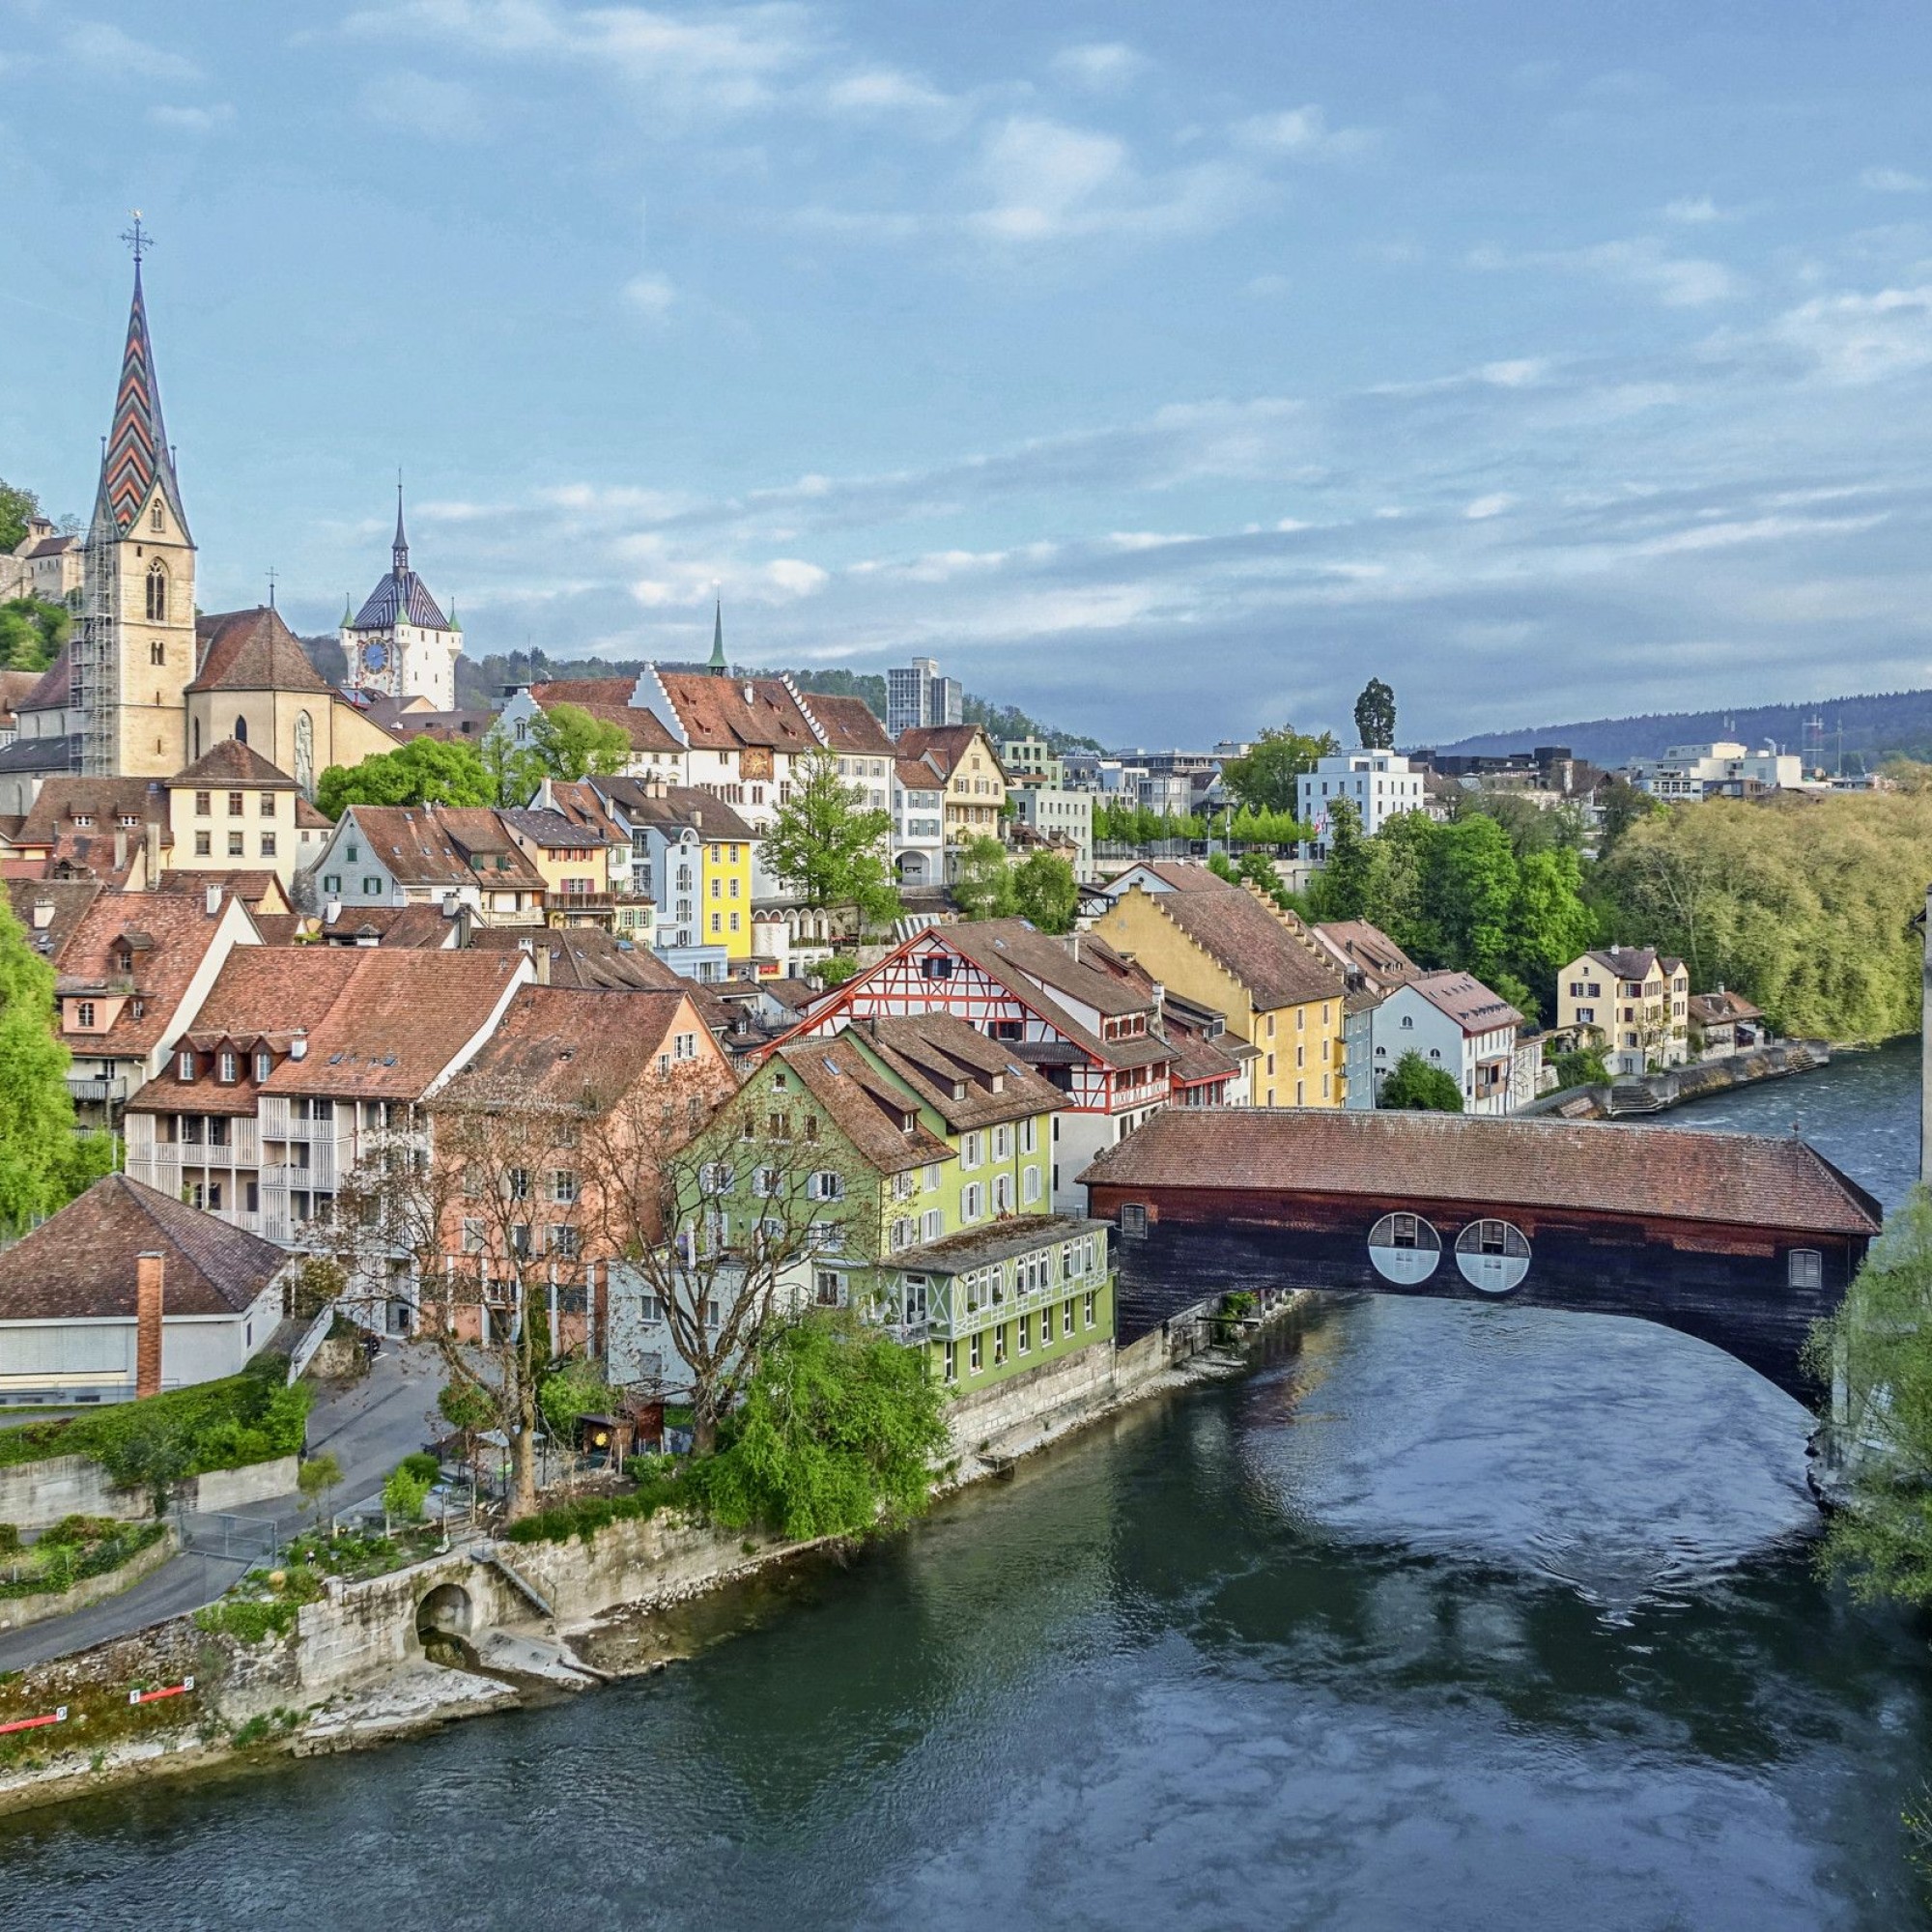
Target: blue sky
[[1167, 370]]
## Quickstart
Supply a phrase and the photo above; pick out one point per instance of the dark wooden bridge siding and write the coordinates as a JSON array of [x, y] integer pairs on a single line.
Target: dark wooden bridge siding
[[1724, 1285]]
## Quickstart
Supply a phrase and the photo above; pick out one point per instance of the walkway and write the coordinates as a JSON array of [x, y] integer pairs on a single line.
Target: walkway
[[369, 1426]]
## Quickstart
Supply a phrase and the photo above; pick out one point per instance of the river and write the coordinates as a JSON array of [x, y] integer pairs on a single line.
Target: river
[[1449, 1616]]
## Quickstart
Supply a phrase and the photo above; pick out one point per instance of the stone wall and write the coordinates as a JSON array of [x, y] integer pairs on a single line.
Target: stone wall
[[229, 1488], [17, 1612], [35, 1494]]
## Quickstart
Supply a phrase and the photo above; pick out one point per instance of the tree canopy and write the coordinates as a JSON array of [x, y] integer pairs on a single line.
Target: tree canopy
[[1263, 779], [985, 886], [1047, 892], [1375, 716], [574, 745], [1415, 1086], [31, 632], [18, 508], [426, 771], [829, 847]]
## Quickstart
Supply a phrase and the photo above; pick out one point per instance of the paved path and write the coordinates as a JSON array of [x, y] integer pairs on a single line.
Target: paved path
[[369, 1426]]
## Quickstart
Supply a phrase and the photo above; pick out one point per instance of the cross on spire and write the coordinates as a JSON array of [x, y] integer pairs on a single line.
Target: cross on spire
[[137, 238]]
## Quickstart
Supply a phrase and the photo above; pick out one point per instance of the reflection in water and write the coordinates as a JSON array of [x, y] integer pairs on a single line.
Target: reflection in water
[[1451, 1616]]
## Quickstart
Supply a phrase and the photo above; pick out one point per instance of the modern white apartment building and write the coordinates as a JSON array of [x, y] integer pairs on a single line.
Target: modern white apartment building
[[1379, 785]]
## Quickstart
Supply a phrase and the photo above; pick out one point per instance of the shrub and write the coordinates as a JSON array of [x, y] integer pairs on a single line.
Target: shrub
[[248, 1619], [1584, 1067], [81, 1547], [586, 1517], [405, 1493], [423, 1467], [1416, 1087], [10, 1537], [220, 1425]]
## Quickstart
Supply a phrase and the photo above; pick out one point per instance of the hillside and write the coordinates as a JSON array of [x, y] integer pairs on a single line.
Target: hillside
[[1874, 727]]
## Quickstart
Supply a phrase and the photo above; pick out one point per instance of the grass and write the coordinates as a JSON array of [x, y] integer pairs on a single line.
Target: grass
[[264, 1604], [77, 1548]]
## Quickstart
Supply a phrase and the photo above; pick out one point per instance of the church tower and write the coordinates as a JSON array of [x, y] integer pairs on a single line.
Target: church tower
[[134, 650], [400, 644]]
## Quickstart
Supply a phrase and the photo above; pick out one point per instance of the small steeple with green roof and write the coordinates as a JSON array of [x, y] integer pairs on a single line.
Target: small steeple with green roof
[[718, 668]]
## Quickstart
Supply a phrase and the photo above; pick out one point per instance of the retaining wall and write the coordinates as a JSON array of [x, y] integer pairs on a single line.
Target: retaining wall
[[17, 1612], [35, 1494], [257, 1483]]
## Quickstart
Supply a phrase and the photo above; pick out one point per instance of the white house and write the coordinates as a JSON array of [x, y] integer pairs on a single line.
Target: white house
[[128, 1291], [918, 823], [1696, 771], [1456, 1023], [1379, 785]]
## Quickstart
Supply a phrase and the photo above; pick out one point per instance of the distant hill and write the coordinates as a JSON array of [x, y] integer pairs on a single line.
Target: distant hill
[[1874, 727], [480, 684]]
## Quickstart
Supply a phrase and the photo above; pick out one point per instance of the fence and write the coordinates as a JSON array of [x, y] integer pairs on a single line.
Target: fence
[[249, 1539]]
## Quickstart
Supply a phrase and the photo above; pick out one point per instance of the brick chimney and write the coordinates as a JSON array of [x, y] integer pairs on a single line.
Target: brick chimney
[[148, 1325]]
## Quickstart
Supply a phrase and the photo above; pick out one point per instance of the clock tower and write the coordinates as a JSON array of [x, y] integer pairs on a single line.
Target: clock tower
[[400, 644]]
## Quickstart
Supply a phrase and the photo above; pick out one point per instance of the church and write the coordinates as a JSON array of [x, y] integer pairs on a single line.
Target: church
[[148, 684]]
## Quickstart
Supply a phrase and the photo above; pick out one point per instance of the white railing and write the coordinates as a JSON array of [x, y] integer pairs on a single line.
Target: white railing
[[313, 1337]]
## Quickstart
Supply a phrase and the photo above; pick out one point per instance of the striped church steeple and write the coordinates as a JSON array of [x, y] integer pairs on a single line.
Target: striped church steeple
[[136, 457]]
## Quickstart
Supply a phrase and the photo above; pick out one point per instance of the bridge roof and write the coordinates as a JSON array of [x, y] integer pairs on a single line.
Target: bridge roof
[[1636, 1171]]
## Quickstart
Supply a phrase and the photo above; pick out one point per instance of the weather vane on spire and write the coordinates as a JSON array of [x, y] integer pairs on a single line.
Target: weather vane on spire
[[137, 238]]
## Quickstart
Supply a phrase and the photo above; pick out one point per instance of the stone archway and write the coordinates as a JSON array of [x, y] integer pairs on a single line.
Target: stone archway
[[445, 1611]]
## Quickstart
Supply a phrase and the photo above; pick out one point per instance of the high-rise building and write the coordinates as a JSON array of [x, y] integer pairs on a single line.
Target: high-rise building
[[917, 698]]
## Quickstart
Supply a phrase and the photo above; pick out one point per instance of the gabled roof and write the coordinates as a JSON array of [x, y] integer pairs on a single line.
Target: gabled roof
[[1267, 952], [166, 936], [970, 1081], [1634, 962], [107, 801], [53, 688], [726, 713], [250, 886], [850, 726], [80, 1263], [944, 743], [1178, 876], [253, 650], [15, 688], [607, 699], [1749, 1180], [562, 1046], [1721, 1008], [67, 901], [673, 808], [1369, 949], [1467, 1001], [432, 845], [586, 958], [578, 802], [553, 830], [233, 763], [862, 1103], [918, 775]]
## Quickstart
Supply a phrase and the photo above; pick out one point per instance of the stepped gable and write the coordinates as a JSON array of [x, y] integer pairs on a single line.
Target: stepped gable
[[1593, 1166], [79, 1265], [253, 650], [724, 713]]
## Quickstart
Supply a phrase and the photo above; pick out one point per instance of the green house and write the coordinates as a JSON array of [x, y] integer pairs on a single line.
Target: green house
[[925, 1152]]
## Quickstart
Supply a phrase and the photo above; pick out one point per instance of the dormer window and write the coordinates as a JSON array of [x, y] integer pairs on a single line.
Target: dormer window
[[265, 1064], [185, 1064], [228, 1068], [83, 1012]]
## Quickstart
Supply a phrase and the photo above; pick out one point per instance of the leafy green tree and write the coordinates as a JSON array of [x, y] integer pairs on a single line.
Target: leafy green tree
[[1584, 1067], [985, 886], [31, 632], [18, 508], [1045, 891], [43, 1163], [1623, 806], [1348, 880], [574, 745], [1549, 924], [1222, 866], [829, 847], [317, 1478], [516, 771], [1263, 779], [1469, 893], [1375, 716], [426, 771], [403, 1493], [1415, 1086], [576, 1390], [1878, 1349], [837, 1436]]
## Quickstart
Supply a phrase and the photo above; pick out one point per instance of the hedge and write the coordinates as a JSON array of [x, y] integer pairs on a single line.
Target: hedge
[[223, 1424], [78, 1547], [588, 1516]]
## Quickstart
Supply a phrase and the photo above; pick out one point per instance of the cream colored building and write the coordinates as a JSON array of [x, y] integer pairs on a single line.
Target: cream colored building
[[1630, 1001]]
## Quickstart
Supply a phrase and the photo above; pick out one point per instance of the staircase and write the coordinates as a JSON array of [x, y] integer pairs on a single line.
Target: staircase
[[1632, 1096]]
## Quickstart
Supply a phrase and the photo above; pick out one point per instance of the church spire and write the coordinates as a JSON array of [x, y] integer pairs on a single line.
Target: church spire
[[137, 456], [399, 550], [718, 668]]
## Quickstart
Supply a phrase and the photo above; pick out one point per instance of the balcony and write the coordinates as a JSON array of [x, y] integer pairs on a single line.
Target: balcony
[[96, 1090]]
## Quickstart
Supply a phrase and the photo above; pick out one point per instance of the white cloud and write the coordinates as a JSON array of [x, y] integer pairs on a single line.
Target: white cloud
[[106, 50], [1678, 281], [883, 90], [1485, 507], [1854, 340], [418, 103], [1303, 133], [651, 296], [1048, 179], [1893, 181], [191, 120], [1692, 210], [1520, 374], [1104, 67], [1268, 286]]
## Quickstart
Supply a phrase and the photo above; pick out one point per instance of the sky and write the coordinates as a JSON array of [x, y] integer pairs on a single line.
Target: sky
[[1168, 371]]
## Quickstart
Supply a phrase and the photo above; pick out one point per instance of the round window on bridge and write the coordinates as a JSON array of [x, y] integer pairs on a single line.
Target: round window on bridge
[[1404, 1249], [1493, 1255]]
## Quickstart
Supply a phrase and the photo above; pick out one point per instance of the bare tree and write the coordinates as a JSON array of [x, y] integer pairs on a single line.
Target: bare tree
[[719, 1227]]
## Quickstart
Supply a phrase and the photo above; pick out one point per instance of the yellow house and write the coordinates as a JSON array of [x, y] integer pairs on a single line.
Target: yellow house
[[976, 782], [233, 812], [1630, 1001], [1226, 948], [726, 879]]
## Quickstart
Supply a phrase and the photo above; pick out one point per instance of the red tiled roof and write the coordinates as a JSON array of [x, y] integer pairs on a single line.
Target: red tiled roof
[[864, 1106], [1467, 1001], [915, 775], [1269, 952], [675, 807], [945, 744], [1721, 1008], [53, 688], [936, 1053], [850, 726], [717, 715], [68, 900], [584, 958], [107, 801], [253, 650], [1355, 942], [80, 1263], [607, 699], [166, 936], [232, 763], [568, 1047], [1735, 1180], [432, 845]]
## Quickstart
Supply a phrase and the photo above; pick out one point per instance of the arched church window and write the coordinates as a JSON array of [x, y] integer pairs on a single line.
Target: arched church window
[[154, 517], [158, 592], [241, 730]]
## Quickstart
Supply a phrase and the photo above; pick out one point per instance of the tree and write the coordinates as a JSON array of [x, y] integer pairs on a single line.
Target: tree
[[516, 771], [31, 632], [1584, 1067], [1623, 806], [1347, 885], [316, 1479], [18, 509], [1264, 776], [1047, 892], [426, 771], [1877, 1349], [404, 1490], [1469, 894], [984, 888], [1415, 1086], [829, 847], [43, 1163], [837, 1435], [574, 745], [1375, 716]]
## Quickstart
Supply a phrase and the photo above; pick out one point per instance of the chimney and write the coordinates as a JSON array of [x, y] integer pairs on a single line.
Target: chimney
[[298, 1047], [119, 848], [151, 834], [213, 900], [148, 1325], [331, 911], [540, 958], [696, 819]]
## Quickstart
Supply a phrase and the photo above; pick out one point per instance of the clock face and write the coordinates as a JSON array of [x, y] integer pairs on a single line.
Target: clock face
[[374, 657]]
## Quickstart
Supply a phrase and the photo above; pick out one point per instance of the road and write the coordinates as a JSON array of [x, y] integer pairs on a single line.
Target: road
[[368, 1426]]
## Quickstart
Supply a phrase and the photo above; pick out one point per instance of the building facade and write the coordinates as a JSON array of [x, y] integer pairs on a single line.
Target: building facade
[[1456, 1024], [917, 696], [399, 644], [1379, 785], [1631, 1002]]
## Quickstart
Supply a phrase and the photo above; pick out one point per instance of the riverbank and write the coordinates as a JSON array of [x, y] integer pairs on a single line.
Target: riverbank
[[1639, 1094], [352, 1671]]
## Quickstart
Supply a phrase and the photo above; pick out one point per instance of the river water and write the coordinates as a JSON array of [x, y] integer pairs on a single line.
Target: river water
[[1450, 1616]]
